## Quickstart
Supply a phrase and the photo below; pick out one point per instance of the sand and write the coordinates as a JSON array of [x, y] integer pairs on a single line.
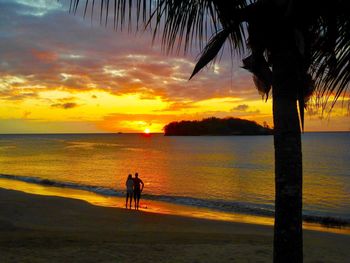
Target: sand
[[36, 228]]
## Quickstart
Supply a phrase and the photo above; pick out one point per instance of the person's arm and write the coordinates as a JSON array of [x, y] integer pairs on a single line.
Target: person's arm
[[142, 185]]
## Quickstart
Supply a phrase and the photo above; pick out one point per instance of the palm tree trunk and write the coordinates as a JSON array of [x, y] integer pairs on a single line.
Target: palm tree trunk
[[288, 239]]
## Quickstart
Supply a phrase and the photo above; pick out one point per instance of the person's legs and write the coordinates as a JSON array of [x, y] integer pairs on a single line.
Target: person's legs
[[138, 201], [126, 201], [130, 200], [135, 198]]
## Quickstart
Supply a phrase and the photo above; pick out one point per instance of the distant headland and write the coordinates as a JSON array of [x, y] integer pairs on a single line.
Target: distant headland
[[216, 126]]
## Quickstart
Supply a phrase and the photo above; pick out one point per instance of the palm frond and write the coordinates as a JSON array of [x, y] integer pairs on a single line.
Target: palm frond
[[323, 35], [182, 23], [330, 54], [211, 50], [123, 10]]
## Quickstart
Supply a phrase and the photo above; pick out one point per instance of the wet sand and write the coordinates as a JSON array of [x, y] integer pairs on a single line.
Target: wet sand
[[37, 228]]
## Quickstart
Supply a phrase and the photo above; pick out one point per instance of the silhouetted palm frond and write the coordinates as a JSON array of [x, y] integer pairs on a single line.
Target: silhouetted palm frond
[[182, 23], [320, 29], [330, 54], [211, 50]]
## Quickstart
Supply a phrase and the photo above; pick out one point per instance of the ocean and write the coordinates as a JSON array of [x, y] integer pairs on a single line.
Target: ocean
[[231, 174]]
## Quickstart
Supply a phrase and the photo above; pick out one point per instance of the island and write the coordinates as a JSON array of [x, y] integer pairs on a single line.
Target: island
[[216, 126]]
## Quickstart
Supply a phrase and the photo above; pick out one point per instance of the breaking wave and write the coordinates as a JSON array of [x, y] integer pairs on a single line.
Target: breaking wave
[[218, 205]]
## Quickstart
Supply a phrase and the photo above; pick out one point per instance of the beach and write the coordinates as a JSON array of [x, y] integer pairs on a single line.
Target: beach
[[227, 120], [37, 228]]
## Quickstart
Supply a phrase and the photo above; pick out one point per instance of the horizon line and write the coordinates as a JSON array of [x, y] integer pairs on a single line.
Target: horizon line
[[68, 133], [119, 133]]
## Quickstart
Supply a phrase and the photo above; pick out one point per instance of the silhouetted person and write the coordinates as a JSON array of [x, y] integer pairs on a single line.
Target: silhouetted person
[[138, 187], [129, 190]]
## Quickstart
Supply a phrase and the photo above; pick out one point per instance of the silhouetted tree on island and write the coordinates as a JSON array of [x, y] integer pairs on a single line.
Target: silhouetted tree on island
[[216, 126], [297, 47]]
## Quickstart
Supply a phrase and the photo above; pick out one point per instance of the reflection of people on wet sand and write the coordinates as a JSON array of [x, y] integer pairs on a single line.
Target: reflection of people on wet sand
[[138, 187], [129, 190]]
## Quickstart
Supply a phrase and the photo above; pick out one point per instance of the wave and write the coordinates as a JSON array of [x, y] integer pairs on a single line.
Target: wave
[[218, 205], [48, 182]]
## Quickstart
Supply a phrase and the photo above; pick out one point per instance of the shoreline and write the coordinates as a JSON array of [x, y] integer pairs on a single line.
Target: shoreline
[[159, 207], [146, 205], [38, 228]]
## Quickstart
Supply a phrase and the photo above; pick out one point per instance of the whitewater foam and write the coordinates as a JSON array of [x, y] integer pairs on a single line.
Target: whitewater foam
[[218, 205]]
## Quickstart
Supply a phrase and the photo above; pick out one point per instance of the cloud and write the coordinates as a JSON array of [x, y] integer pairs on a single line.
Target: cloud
[[242, 107], [67, 105], [17, 95], [45, 52], [66, 99], [42, 50], [38, 7], [45, 56], [177, 106]]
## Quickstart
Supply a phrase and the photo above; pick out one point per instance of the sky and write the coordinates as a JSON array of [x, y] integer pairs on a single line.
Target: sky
[[61, 73]]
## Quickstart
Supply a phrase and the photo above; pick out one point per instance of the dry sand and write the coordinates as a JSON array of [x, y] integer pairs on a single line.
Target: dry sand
[[37, 228]]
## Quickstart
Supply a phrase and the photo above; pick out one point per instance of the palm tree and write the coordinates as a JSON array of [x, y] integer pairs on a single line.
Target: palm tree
[[297, 48]]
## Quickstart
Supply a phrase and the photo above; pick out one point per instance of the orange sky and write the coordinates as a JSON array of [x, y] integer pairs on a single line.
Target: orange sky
[[60, 74]]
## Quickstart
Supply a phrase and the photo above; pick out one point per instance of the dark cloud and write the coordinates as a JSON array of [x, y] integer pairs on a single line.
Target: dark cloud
[[66, 99], [242, 107], [17, 95], [67, 105]]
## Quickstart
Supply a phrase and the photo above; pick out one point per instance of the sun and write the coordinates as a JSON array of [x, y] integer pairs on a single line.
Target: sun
[[147, 131]]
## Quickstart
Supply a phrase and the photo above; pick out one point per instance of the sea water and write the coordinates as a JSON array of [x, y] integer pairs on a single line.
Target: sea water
[[233, 174]]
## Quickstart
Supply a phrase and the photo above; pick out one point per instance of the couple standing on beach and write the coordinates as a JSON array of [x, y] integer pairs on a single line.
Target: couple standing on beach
[[134, 187]]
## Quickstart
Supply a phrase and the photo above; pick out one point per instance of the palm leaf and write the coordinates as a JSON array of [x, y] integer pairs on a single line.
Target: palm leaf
[[330, 53], [211, 50], [182, 23], [185, 23]]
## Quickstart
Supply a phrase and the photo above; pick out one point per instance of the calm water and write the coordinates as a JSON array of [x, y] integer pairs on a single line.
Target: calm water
[[234, 174]]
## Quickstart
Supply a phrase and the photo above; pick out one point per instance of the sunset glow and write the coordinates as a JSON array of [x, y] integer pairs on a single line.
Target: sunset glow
[[93, 79]]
